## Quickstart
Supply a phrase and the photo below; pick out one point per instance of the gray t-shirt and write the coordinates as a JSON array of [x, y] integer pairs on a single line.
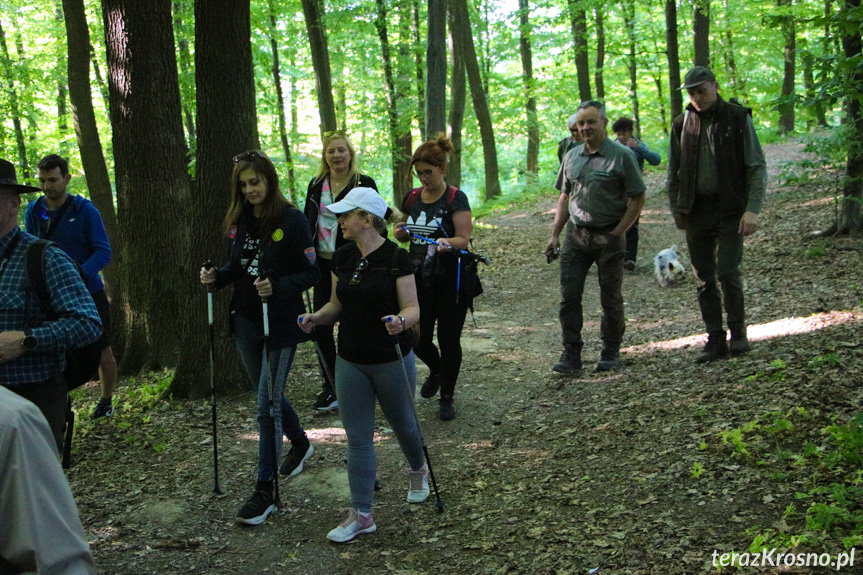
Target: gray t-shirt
[[599, 185]]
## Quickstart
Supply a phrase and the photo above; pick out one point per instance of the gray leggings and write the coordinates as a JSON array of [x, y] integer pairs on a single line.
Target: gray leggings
[[357, 386]]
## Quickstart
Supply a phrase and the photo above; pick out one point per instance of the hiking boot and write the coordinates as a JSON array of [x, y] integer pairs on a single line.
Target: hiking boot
[[326, 402], [357, 523], [418, 491], [104, 408], [300, 452], [715, 348], [629, 265], [609, 360], [570, 359], [446, 410], [259, 506], [431, 386], [739, 342]]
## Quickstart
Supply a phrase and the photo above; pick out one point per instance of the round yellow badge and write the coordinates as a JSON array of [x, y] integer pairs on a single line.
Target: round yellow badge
[[278, 235]]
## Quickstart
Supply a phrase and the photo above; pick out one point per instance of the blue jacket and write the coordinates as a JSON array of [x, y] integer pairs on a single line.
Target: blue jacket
[[81, 234]]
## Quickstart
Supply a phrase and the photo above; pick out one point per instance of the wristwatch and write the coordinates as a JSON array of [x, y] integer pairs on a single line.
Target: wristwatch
[[29, 342]]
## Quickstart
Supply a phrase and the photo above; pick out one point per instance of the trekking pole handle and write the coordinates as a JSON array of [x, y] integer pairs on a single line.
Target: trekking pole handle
[[208, 265], [265, 309]]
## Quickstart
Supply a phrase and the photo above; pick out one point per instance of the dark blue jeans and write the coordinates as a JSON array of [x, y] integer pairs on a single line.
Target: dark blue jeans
[[582, 247], [249, 338], [715, 251]]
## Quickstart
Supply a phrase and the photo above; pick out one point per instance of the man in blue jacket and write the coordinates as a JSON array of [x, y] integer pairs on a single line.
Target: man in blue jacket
[[75, 225]]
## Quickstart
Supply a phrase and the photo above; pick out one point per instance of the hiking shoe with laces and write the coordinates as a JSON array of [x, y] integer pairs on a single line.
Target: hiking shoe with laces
[[259, 506], [104, 408], [739, 342], [446, 409], [326, 402], [418, 491], [608, 361], [431, 386], [570, 359], [715, 348], [300, 452], [357, 523]]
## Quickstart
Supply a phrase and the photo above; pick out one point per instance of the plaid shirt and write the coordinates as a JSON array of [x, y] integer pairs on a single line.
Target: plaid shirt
[[78, 321]]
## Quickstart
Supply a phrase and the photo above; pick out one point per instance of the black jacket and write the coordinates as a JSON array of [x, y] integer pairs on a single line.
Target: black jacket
[[288, 257], [313, 201]]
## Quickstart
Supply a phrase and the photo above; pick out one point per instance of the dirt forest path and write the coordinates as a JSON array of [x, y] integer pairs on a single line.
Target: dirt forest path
[[539, 473]]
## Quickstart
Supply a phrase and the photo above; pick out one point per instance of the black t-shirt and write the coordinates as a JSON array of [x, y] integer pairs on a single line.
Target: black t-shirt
[[363, 337], [248, 302], [432, 221]]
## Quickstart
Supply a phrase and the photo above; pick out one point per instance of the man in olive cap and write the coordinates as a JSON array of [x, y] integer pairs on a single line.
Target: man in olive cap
[[716, 182], [32, 346]]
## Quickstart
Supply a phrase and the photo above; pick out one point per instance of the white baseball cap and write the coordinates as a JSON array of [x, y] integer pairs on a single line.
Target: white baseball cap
[[363, 198]]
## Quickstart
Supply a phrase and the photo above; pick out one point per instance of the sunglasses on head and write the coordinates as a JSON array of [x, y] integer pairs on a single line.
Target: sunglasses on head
[[246, 156], [357, 277]]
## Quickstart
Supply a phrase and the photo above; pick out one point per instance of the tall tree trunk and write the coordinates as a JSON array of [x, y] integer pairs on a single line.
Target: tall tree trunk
[[15, 109], [321, 64], [786, 109], [392, 98], [227, 125], [851, 214], [436, 69], [62, 115], [340, 92], [600, 54], [701, 29], [809, 83], [100, 81], [280, 105], [420, 67], [579, 47], [458, 99], [87, 131], [660, 99], [629, 24], [404, 87], [530, 100], [673, 52], [152, 186], [185, 60], [736, 80], [464, 40]]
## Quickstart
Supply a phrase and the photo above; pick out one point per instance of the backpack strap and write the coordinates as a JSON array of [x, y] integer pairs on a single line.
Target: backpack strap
[[450, 198], [411, 198], [36, 273]]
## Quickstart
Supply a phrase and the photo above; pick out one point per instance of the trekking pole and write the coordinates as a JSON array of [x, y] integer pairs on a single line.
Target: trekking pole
[[480, 258], [328, 375], [439, 502], [277, 433], [207, 266]]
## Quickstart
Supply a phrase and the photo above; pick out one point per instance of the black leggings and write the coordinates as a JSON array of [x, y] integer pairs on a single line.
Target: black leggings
[[438, 304]]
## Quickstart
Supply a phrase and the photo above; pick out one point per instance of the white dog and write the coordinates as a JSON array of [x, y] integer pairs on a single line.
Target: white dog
[[668, 268]]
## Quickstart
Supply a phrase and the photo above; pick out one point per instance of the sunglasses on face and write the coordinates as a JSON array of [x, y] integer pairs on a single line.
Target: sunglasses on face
[[357, 277], [247, 156]]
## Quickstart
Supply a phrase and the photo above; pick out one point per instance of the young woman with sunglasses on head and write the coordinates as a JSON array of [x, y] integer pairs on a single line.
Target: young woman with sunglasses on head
[[374, 300], [336, 176], [441, 212], [272, 260]]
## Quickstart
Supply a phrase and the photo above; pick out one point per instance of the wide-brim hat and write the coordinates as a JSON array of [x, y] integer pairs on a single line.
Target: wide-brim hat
[[363, 198], [9, 181]]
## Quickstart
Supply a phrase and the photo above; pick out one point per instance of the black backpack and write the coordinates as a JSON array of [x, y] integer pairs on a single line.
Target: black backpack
[[82, 363]]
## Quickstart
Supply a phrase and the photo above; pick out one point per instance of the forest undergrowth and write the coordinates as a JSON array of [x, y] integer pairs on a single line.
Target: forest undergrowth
[[648, 470]]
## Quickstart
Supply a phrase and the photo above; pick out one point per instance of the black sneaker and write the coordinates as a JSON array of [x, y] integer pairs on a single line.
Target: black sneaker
[[296, 457], [259, 507], [739, 342], [715, 348], [431, 386], [104, 408], [326, 402], [570, 359], [446, 410], [608, 361], [629, 265]]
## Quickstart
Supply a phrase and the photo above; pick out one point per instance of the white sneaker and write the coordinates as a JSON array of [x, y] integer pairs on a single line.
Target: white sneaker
[[357, 523], [418, 491]]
